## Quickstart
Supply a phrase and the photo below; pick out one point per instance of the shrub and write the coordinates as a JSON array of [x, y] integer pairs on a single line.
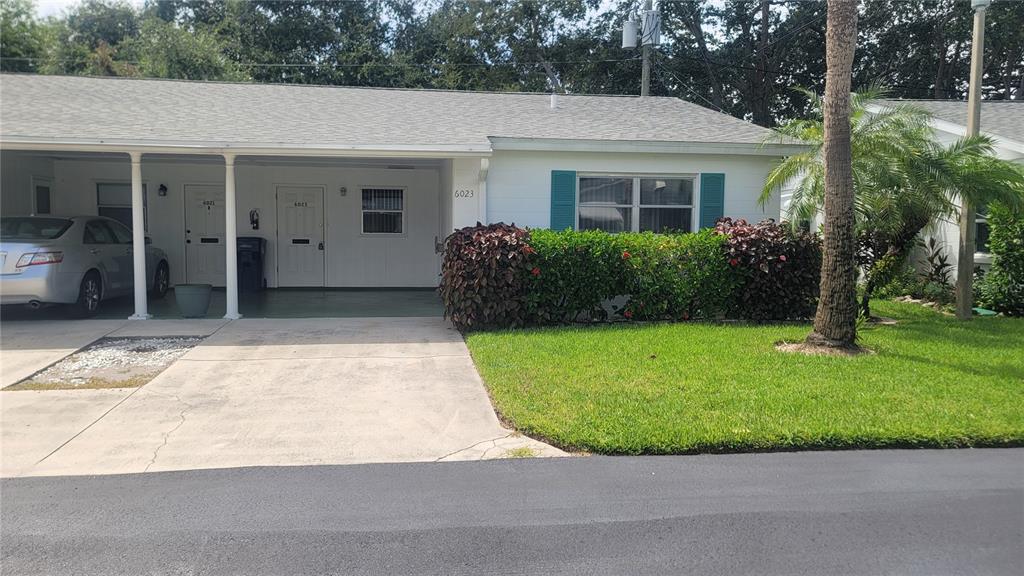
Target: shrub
[[1002, 288], [905, 282], [501, 276], [677, 276], [777, 269], [483, 276], [576, 273], [653, 276]]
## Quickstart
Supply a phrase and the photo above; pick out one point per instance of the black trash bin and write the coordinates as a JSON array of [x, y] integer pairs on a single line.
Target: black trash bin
[[251, 252]]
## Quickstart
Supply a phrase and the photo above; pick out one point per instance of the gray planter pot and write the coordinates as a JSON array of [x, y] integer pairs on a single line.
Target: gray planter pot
[[193, 299]]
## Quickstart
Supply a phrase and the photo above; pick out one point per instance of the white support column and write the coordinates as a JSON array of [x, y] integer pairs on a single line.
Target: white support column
[[138, 240], [230, 239], [481, 205]]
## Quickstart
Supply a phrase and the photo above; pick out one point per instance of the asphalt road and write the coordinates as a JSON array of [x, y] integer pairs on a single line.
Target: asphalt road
[[885, 512]]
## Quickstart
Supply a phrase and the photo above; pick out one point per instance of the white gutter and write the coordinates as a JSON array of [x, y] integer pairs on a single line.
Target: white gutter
[[646, 146], [257, 149]]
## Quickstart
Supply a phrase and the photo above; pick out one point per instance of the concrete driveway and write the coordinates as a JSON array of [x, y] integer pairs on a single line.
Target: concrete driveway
[[269, 392]]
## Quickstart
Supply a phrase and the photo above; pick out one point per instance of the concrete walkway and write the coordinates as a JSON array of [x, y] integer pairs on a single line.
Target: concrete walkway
[[269, 393]]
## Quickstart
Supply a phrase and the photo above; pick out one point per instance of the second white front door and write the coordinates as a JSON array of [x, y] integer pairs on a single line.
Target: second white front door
[[300, 235], [204, 234]]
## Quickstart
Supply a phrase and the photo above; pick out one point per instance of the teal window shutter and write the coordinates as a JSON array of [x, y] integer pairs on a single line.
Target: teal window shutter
[[712, 199], [563, 199]]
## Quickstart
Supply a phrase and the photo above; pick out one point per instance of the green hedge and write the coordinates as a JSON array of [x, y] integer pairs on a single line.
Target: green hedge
[[1002, 288], [653, 276], [501, 276]]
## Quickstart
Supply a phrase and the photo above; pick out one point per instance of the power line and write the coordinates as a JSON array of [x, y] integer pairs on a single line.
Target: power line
[[664, 69]]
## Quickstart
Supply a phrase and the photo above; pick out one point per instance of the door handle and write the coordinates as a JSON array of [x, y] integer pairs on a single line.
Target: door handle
[[320, 246]]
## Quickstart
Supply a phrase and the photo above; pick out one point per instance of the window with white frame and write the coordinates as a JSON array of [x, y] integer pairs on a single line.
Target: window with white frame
[[383, 210], [636, 203], [981, 230], [114, 200]]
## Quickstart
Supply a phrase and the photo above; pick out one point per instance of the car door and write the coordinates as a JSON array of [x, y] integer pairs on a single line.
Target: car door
[[103, 250], [125, 254]]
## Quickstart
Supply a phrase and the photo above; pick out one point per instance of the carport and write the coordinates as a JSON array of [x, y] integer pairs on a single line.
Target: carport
[[339, 206]]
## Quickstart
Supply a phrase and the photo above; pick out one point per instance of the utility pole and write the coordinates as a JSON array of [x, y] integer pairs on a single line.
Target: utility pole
[[649, 29], [965, 258], [645, 83]]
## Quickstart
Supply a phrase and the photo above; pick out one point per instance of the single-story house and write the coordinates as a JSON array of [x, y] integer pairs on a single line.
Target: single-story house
[[358, 187], [1003, 121]]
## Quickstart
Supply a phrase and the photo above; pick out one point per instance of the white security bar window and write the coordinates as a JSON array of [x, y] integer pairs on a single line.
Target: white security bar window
[[114, 200], [637, 204], [383, 210]]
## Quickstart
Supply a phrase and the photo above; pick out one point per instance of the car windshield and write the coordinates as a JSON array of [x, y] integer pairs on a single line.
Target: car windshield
[[33, 228]]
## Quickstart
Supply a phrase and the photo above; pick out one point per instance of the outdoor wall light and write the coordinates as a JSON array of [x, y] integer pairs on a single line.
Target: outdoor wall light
[[162, 190]]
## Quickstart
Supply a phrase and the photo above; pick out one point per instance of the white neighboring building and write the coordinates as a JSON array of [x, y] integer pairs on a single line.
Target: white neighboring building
[[1001, 120], [355, 187]]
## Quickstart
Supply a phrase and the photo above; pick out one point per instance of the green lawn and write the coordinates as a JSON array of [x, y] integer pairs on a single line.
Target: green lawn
[[690, 387]]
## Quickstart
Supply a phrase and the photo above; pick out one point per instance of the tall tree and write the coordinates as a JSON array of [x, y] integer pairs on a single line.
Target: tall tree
[[22, 36], [835, 323]]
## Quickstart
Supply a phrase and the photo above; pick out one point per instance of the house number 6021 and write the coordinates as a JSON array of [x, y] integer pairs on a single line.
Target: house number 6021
[[463, 193]]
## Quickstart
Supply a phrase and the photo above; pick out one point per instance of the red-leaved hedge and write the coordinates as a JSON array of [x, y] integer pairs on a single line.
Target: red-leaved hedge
[[483, 276], [778, 268]]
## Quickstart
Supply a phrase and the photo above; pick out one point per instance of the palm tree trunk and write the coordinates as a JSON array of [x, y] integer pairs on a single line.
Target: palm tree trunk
[[835, 324]]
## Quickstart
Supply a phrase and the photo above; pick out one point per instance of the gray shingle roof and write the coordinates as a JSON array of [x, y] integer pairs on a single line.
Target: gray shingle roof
[[84, 109], [1004, 118]]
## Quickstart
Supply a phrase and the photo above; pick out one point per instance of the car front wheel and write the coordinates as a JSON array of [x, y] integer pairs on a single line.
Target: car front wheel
[[162, 280], [90, 292]]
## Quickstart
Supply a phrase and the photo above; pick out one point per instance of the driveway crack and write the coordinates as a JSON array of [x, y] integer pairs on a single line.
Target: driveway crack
[[474, 445], [167, 435]]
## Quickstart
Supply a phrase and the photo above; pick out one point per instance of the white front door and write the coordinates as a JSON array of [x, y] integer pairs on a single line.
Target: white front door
[[300, 235], [204, 234]]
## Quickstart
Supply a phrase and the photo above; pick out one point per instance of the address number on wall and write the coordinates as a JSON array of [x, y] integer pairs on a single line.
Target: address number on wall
[[464, 193]]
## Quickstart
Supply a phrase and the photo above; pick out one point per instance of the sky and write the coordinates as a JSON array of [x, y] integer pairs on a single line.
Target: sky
[[52, 7]]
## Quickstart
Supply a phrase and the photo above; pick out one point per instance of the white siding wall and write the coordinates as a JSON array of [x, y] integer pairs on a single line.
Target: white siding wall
[[519, 183], [352, 259], [16, 175]]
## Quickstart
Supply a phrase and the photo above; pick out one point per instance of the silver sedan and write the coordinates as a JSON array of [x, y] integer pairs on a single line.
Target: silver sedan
[[78, 261]]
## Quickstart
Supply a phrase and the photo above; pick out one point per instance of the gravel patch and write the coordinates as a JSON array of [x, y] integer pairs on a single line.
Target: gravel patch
[[112, 363]]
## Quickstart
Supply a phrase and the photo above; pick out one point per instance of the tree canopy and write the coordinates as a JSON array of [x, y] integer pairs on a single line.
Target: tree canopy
[[743, 57]]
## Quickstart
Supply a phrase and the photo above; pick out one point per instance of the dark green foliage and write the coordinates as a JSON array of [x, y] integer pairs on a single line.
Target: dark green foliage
[[22, 37], [576, 273], [778, 268], [483, 276], [939, 267], [645, 276], [905, 281], [1002, 288]]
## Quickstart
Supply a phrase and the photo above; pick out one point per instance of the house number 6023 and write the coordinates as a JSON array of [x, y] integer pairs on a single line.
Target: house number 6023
[[464, 193]]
